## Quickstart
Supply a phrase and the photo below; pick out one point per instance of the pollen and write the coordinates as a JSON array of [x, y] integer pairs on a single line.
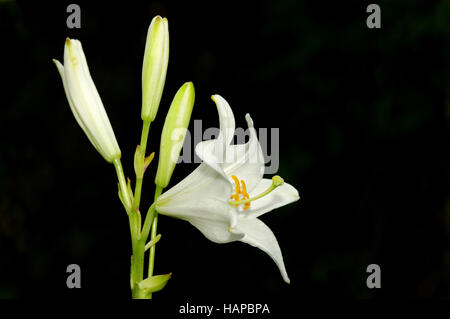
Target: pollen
[[74, 61], [241, 192]]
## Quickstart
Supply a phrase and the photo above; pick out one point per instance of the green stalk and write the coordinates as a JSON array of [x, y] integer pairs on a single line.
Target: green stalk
[[137, 238], [138, 266], [122, 183], [158, 192], [138, 188]]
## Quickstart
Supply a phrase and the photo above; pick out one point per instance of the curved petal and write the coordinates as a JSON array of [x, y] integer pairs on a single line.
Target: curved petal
[[202, 182], [246, 161], [259, 235], [282, 195], [198, 207], [226, 118], [216, 231], [212, 216], [203, 194], [213, 151]]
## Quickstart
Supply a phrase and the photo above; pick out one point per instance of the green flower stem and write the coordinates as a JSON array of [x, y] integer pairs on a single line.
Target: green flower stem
[[138, 188], [139, 238], [144, 135], [158, 192], [122, 183], [138, 265]]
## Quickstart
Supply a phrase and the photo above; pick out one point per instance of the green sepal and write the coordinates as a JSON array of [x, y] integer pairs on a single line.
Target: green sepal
[[139, 162], [153, 284]]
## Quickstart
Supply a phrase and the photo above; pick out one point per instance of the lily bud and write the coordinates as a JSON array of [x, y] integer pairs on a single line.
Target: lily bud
[[154, 69], [85, 102], [174, 131]]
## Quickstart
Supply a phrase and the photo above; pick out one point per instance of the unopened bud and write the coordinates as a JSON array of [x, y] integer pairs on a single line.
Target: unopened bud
[[154, 69], [174, 131]]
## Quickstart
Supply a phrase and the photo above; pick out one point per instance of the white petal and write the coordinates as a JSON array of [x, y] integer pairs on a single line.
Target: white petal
[[207, 208], [281, 196], [226, 118], [246, 161], [212, 216], [213, 151], [216, 231], [202, 199], [259, 235], [202, 182]]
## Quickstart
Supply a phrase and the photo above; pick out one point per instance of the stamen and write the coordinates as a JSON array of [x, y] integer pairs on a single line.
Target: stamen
[[240, 191], [236, 181], [244, 188], [245, 195], [276, 181]]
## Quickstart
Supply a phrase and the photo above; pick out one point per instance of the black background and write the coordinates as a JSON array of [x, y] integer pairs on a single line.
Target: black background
[[364, 124]]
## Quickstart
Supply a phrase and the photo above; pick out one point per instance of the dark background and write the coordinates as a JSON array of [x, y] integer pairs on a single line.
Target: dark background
[[364, 120]]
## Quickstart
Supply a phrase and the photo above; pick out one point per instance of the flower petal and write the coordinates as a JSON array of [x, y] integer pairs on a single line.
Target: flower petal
[[226, 118], [212, 216], [246, 161], [213, 151], [282, 195], [203, 194], [203, 181], [259, 235], [216, 231], [206, 208]]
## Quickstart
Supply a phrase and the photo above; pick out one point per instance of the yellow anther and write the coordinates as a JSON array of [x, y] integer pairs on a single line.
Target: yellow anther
[[244, 188], [236, 181], [240, 191]]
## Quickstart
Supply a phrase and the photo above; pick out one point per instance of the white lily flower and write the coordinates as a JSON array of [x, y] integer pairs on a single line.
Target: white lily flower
[[85, 102], [226, 194]]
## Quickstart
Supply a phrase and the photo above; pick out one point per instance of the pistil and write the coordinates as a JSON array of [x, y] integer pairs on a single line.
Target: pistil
[[276, 181]]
